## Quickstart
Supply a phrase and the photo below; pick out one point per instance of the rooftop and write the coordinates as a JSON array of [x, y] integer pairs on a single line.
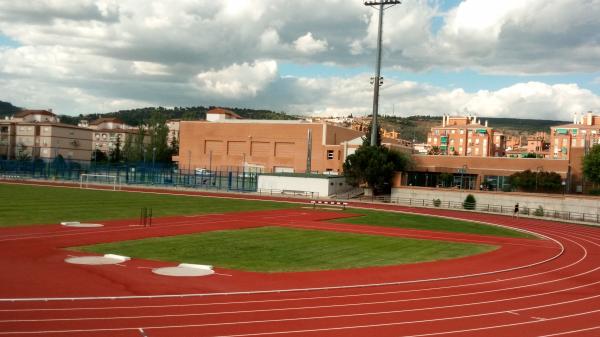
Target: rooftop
[[24, 113]]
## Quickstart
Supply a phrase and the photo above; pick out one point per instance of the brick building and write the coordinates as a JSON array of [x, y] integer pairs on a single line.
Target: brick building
[[466, 136], [582, 134], [265, 145]]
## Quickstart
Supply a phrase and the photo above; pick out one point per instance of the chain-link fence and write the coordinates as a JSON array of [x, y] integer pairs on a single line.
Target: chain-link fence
[[232, 179]]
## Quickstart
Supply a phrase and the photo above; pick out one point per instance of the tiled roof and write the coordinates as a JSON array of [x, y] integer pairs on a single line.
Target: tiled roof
[[106, 120], [24, 113]]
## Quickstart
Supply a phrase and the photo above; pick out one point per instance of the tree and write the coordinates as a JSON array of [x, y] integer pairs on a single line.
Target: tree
[[133, 150], [469, 202], [367, 137], [159, 132], [434, 151], [446, 179], [116, 154], [374, 166], [22, 153], [99, 156], [528, 181], [591, 165]]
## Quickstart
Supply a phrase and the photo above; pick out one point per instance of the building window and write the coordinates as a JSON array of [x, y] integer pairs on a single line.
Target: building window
[[462, 132], [453, 131], [329, 154]]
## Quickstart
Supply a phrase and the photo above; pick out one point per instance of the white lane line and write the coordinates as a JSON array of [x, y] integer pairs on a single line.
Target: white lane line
[[117, 230], [338, 328], [237, 312], [572, 332]]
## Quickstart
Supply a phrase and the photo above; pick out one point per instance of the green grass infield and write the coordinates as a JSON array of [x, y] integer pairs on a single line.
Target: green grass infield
[[279, 249], [27, 205], [404, 220]]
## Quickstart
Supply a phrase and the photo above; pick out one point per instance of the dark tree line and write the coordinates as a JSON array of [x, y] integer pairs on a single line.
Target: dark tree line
[[529, 181]]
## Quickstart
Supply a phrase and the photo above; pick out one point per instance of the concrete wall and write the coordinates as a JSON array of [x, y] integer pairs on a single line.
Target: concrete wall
[[324, 186], [568, 203]]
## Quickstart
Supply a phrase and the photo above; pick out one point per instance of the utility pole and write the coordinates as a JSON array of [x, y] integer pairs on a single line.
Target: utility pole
[[377, 81]]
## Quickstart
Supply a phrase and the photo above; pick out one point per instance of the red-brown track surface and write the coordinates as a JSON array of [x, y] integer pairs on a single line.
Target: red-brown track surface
[[546, 287]]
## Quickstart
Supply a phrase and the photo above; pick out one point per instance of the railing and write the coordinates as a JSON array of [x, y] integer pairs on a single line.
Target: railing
[[538, 212]]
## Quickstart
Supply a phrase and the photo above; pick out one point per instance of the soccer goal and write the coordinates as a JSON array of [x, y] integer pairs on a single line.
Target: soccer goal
[[99, 179]]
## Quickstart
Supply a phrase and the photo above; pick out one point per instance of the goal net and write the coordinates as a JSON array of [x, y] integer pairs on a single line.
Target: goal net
[[99, 179]]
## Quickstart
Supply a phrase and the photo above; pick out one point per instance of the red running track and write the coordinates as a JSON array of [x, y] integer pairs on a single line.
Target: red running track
[[547, 287]]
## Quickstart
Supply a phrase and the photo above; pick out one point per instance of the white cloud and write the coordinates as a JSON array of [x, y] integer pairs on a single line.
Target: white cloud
[[238, 81], [205, 52], [535, 100], [307, 44], [150, 68]]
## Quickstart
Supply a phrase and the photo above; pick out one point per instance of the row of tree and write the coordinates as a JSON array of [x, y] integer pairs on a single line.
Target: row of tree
[[149, 143]]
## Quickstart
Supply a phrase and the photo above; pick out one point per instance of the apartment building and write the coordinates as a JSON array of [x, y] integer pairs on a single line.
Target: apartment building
[[107, 132], [582, 134], [466, 136], [38, 134]]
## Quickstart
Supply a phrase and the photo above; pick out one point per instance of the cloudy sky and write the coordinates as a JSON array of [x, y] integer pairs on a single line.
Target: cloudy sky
[[509, 58]]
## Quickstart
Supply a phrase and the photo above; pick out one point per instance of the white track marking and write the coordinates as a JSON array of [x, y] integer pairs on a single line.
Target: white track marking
[[572, 332], [343, 327], [512, 311]]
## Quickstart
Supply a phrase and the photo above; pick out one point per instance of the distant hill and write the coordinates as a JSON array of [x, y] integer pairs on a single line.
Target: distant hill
[[413, 127], [417, 127], [7, 109], [139, 116]]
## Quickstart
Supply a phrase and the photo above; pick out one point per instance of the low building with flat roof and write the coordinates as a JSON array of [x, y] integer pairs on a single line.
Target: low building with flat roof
[[264, 145]]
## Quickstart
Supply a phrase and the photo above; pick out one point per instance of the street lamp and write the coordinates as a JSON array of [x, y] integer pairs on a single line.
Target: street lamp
[[378, 80], [463, 170]]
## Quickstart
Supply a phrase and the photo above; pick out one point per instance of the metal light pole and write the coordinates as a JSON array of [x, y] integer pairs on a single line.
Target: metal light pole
[[377, 81], [153, 161]]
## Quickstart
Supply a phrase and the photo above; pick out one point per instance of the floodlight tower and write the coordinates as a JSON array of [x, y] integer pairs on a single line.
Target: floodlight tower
[[377, 81]]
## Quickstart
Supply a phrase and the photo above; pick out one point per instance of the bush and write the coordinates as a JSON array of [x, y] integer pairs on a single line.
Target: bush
[[437, 202], [539, 211], [595, 191], [469, 202]]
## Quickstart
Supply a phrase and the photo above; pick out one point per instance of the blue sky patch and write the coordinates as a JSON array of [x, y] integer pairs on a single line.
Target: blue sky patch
[[5, 41]]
